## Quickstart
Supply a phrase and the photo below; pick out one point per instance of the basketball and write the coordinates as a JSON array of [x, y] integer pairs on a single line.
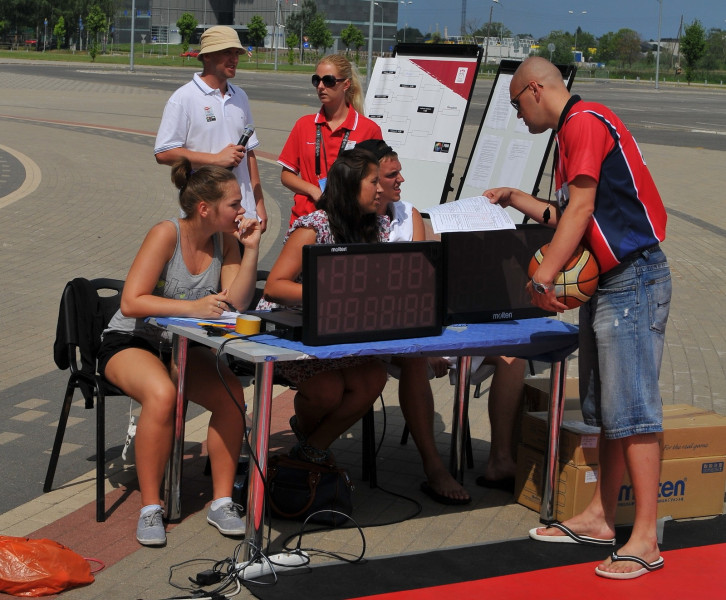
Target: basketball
[[577, 281]]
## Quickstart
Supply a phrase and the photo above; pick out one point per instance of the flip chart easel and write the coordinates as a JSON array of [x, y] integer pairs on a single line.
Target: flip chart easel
[[419, 97], [505, 153]]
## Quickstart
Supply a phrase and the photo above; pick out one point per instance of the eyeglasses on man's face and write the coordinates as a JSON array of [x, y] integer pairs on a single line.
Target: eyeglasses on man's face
[[328, 80], [515, 101]]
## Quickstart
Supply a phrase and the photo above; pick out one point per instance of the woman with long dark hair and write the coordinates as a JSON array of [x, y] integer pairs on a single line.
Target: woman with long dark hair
[[332, 394]]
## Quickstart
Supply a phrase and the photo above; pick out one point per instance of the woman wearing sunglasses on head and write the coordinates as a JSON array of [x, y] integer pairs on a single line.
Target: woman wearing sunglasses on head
[[316, 140]]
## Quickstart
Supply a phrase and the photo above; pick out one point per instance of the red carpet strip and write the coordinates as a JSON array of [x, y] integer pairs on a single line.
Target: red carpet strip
[[693, 573]]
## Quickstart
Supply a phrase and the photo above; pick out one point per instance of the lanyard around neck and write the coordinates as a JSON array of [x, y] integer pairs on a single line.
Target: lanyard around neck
[[319, 144]]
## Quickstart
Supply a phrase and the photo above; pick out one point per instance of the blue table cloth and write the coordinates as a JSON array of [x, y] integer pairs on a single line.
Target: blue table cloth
[[543, 339]]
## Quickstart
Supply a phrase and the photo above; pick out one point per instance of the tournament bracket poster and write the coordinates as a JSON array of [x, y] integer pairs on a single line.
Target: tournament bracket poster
[[505, 153], [419, 98]]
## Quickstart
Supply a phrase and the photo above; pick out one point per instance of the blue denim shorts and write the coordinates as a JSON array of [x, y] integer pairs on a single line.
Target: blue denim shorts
[[622, 332]]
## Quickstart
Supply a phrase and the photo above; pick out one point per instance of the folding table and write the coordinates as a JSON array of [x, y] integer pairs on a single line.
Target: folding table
[[543, 339]]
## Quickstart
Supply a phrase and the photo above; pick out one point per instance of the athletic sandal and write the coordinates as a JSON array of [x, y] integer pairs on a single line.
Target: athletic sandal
[[646, 567], [309, 453], [570, 537]]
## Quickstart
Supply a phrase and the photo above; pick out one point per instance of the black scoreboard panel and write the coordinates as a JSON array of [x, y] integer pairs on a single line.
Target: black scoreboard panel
[[485, 274], [370, 292]]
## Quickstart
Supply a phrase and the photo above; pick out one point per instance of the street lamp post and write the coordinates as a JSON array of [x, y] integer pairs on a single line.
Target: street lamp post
[[381, 7], [572, 12], [486, 44], [657, 55], [405, 24], [277, 30], [370, 44], [168, 24], [133, 33], [301, 29]]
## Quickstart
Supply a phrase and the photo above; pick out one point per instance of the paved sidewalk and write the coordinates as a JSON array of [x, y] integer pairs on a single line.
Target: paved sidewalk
[[79, 189]]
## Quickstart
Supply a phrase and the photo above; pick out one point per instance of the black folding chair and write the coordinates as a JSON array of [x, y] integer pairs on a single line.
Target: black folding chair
[[86, 308]]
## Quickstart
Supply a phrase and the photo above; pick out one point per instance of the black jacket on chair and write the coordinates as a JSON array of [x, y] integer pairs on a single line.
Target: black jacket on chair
[[90, 314]]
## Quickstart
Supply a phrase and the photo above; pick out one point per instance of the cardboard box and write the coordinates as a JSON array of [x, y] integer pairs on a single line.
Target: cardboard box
[[579, 443], [688, 432], [689, 487], [537, 394]]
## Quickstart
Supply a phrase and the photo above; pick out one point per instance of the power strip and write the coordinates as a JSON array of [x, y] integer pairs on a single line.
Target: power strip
[[278, 562]]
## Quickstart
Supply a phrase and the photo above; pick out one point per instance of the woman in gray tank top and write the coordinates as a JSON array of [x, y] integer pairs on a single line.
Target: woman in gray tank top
[[180, 262]]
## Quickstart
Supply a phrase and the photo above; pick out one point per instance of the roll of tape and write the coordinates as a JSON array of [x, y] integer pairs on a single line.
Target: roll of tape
[[248, 324]]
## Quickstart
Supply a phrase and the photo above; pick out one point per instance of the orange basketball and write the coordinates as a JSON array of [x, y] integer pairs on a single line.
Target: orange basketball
[[577, 281]]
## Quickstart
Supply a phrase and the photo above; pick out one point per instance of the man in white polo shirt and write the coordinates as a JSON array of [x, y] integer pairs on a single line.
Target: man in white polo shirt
[[204, 120]]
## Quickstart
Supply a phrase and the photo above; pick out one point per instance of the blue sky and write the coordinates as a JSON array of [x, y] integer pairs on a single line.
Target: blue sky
[[539, 17]]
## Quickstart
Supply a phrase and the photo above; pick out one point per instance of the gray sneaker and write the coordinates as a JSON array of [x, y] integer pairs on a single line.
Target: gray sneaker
[[150, 530], [228, 518]]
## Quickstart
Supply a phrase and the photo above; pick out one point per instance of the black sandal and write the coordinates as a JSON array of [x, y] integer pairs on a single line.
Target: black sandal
[[308, 453]]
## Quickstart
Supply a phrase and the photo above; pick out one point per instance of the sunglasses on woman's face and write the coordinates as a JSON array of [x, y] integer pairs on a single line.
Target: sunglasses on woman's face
[[328, 80]]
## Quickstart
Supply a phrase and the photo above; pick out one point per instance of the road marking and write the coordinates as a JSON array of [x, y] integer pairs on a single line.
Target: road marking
[[32, 180]]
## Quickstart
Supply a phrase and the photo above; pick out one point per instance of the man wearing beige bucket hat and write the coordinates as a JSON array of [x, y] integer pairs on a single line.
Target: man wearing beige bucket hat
[[208, 120]]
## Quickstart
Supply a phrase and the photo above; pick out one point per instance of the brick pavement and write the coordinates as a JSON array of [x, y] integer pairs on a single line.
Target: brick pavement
[[92, 190]]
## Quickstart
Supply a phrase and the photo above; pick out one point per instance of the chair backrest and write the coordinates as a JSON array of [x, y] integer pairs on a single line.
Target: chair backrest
[[86, 308]]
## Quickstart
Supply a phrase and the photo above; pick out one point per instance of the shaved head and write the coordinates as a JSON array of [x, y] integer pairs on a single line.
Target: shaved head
[[538, 69], [541, 93]]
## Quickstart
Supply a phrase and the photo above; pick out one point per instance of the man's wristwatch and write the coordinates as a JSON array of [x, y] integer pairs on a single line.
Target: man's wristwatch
[[542, 288]]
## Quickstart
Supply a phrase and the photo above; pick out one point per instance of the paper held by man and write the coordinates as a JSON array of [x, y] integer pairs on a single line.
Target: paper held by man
[[468, 214]]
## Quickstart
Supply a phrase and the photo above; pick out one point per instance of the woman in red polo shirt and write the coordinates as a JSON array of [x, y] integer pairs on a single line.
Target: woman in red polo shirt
[[316, 140]]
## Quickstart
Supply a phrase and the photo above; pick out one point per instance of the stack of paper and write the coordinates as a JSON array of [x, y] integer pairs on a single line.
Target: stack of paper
[[469, 214]]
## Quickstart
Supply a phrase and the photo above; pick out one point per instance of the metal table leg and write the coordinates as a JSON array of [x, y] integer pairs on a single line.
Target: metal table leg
[[261, 414], [459, 423], [172, 477], [554, 422]]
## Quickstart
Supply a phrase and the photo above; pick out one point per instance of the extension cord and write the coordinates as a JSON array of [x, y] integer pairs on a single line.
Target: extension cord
[[278, 562]]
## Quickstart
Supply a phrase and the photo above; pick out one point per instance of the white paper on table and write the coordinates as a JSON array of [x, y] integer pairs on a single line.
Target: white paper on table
[[469, 214]]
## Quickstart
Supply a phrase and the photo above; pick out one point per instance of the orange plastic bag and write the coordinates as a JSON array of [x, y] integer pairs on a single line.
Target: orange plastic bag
[[40, 567]]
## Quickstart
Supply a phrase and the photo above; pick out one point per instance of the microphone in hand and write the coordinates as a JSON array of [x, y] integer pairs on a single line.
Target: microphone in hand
[[246, 135], [244, 138]]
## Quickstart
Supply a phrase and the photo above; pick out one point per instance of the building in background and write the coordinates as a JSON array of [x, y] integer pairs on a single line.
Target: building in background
[[155, 20]]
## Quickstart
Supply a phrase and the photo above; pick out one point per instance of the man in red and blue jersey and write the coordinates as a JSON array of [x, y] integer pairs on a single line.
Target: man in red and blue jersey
[[606, 199]]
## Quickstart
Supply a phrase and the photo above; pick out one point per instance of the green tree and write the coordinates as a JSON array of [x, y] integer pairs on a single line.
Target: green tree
[[605, 48], [186, 25], [291, 41], [409, 34], [494, 29], [320, 36], [715, 53], [352, 37], [59, 31], [562, 54], [300, 20], [257, 32], [627, 46], [96, 22], [585, 41], [693, 47]]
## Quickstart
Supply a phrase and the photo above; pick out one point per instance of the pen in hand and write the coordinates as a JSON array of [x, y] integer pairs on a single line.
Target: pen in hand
[[231, 306]]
